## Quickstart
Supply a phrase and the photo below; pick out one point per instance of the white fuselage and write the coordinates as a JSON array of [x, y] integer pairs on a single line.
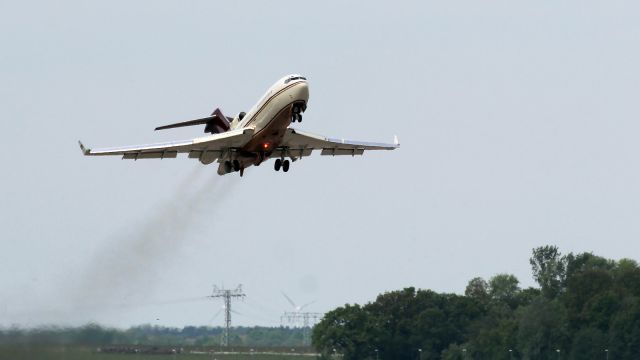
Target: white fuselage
[[279, 96], [269, 119]]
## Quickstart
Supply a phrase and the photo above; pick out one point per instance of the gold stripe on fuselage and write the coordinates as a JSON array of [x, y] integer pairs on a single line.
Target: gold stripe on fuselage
[[269, 100]]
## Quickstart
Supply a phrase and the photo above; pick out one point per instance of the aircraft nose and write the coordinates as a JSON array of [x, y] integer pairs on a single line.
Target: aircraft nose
[[302, 91]]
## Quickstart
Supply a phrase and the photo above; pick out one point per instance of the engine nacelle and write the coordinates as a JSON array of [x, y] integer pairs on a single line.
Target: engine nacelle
[[236, 120], [208, 157]]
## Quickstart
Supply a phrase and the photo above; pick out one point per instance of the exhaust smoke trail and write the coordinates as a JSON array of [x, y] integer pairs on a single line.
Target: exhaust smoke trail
[[134, 264]]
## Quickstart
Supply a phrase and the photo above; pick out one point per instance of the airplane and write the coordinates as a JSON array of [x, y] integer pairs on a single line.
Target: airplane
[[252, 137]]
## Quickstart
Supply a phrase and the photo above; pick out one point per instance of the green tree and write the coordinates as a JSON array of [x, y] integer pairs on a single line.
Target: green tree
[[492, 336], [549, 270], [588, 344], [397, 324], [394, 315], [626, 275], [346, 330], [478, 289], [503, 288], [589, 279], [454, 352], [542, 329], [443, 320], [527, 296], [624, 334], [633, 348]]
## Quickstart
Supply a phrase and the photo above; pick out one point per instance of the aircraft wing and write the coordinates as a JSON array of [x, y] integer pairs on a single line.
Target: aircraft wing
[[212, 146], [298, 144]]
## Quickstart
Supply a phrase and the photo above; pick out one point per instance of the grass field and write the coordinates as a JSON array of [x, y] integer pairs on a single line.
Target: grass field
[[79, 353]]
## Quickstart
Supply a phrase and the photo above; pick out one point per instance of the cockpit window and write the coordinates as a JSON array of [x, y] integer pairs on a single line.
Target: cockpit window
[[295, 78]]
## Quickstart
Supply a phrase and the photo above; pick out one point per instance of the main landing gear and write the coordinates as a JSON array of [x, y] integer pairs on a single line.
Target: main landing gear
[[284, 164], [297, 114], [231, 166]]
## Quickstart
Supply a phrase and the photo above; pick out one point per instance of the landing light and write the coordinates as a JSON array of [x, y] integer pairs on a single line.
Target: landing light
[[265, 146]]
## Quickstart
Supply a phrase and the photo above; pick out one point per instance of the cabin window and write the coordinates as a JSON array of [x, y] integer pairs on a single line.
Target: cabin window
[[295, 78]]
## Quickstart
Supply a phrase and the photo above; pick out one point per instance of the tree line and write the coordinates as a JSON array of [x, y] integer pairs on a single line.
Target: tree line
[[585, 307], [205, 336]]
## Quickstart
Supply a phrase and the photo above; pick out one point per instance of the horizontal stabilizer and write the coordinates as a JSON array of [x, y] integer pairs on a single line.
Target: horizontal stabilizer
[[214, 124], [202, 121]]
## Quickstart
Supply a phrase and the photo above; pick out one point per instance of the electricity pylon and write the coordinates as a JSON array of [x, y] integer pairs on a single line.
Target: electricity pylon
[[227, 295], [307, 319]]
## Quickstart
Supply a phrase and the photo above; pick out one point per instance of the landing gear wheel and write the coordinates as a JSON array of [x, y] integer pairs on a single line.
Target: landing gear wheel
[[277, 165], [296, 110], [236, 165], [228, 167], [285, 166], [299, 117]]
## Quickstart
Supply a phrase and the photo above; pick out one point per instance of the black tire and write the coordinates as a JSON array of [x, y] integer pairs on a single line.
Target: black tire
[[285, 166], [299, 117], [277, 165], [296, 110], [236, 165], [227, 167]]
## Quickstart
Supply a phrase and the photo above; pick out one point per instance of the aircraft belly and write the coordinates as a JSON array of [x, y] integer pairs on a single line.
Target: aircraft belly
[[270, 120], [271, 131], [274, 119]]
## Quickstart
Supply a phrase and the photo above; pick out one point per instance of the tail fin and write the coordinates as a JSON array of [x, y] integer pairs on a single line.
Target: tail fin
[[219, 126]]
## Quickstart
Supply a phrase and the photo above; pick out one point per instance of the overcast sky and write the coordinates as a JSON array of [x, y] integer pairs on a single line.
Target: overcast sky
[[518, 123]]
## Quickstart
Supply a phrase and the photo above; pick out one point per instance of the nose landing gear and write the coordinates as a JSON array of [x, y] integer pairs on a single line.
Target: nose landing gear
[[297, 113]]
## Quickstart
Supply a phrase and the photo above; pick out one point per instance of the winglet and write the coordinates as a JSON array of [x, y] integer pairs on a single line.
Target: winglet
[[395, 141], [85, 151]]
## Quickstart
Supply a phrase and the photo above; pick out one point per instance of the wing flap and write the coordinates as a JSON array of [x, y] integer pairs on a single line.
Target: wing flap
[[151, 155], [296, 140], [149, 148], [338, 151]]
